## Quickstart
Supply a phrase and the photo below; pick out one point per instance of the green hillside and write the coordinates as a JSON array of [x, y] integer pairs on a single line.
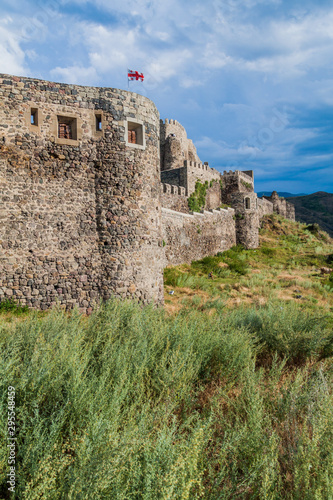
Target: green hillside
[[315, 208], [225, 393]]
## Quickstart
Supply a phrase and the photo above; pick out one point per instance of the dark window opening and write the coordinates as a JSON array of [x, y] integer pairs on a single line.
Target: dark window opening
[[247, 203], [98, 123], [34, 116], [67, 128]]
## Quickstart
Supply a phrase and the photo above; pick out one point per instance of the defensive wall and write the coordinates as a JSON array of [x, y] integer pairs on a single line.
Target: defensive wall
[[281, 206], [265, 207], [84, 214], [190, 237]]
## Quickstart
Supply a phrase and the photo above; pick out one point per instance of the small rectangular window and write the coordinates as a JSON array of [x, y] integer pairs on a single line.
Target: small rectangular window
[[67, 128], [135, 133], [34, 116], [98, 123]]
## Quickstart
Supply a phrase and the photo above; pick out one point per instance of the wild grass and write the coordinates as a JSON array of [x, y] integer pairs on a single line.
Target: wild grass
[[217, 401], [133, 404], [285, 266]]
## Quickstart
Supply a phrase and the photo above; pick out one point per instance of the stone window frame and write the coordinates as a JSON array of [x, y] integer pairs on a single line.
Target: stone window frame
[[34, 109], [34, 114], [139, 127], [70, 123], [78, 129], [98, 117], [247, 203]]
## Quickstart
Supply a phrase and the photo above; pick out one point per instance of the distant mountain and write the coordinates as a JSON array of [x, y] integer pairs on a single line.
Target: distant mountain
[[282, 194], [315, 208]]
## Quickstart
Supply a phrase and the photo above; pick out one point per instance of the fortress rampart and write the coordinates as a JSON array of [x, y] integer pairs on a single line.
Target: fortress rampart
[[265, 207], [189, 237], [84, 213]]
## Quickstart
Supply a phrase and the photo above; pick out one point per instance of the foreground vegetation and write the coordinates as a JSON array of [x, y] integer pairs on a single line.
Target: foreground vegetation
[[214, 401]]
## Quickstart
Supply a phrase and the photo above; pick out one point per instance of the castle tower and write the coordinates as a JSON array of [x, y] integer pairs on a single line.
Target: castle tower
[[175, 146], [236, 182], [247, 219], [79, 175]]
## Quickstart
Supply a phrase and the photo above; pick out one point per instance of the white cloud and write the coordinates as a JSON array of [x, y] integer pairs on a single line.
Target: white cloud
[[12, 55], [75, 75]]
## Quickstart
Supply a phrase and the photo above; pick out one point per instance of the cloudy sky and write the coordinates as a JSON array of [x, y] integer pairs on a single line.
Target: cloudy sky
[[250, 80]]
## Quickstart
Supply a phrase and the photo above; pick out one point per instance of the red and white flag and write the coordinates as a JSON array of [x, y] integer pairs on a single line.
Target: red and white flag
[[135, 75]]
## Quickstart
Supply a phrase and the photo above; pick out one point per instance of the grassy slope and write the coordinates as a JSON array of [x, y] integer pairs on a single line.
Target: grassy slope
[[231, 398], [315, 208], [285, 267]]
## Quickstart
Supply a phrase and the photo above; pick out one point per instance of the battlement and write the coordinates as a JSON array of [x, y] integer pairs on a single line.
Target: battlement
[[202, 166], [167, 121], [172, 189], [246, 175]]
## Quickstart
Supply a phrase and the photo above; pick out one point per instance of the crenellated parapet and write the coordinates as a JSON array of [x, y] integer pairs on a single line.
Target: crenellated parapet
[[193, 236], [197, 171], [175, 190], [174, 198]]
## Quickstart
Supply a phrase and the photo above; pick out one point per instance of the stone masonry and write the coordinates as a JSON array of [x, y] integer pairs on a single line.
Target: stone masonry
[[81, 216], [84, 215]]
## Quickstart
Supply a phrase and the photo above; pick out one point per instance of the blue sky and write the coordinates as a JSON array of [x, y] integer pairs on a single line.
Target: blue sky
[[250, 80]]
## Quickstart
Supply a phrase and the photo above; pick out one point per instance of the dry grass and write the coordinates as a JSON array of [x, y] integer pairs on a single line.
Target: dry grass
[[285, 267]]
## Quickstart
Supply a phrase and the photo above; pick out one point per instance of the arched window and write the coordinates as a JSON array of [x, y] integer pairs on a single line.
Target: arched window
[[247, 203]]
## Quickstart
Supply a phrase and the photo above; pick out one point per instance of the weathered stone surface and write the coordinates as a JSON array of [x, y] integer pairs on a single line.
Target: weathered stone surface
[[73, 209], [190, 237], [281, 206]]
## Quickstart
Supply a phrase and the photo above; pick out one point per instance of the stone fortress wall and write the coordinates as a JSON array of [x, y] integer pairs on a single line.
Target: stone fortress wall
[[281, 206], [190, 237], [84, 213]]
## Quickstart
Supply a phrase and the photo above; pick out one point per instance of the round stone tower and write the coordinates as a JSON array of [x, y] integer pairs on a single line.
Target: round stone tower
[[80, 176]]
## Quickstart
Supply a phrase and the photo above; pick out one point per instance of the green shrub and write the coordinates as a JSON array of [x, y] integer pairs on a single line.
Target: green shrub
[[248, 185], [9, 305], [132, 404], [197, 199], [288, 331]]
